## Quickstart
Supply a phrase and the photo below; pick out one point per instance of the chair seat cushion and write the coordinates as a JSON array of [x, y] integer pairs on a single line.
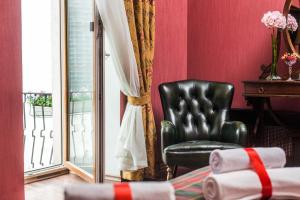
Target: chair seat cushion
[[197, 145], [193, 153]]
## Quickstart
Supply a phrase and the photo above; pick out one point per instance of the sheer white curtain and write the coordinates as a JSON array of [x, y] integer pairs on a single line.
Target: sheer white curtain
[[131, 147]]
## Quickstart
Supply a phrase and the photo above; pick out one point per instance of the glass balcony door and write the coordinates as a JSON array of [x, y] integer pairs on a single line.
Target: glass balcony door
[[82, 82], [62, 85]]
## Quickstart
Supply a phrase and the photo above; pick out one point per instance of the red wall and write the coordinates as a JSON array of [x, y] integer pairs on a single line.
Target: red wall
[[227, 41], [11, 131], [170, 61]]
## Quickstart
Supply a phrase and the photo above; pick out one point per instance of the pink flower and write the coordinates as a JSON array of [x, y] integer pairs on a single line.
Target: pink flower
[[274, 19], [292, 24]]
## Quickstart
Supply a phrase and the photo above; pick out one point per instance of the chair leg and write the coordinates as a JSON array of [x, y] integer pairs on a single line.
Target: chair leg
[[169, 173]]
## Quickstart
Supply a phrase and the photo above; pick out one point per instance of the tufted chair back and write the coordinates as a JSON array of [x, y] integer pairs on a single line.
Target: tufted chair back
[[198, 109]]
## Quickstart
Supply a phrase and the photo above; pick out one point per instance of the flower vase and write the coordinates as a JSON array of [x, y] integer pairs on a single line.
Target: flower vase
[[273, 74], [290, 73]]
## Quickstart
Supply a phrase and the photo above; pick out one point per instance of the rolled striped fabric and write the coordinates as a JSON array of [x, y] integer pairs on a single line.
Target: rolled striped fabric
[[222, 161], [138, 190], [245, 185]]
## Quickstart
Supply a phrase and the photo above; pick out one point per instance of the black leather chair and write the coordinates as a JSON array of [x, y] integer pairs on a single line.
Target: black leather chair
[[196, 115]]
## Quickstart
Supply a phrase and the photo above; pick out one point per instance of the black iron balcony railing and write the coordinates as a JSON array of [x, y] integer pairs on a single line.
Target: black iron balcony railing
[[38, 130]]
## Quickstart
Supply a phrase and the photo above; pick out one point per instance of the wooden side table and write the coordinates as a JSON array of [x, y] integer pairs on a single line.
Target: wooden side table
[[258, 94]]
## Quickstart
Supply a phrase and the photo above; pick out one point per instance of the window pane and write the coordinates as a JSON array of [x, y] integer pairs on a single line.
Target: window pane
[[81, 83]]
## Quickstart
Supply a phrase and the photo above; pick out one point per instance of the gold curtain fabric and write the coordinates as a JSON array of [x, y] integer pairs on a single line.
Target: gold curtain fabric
[[141, 20]]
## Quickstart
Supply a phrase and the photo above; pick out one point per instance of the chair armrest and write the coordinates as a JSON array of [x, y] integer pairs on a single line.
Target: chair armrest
[[234, 132], [168, 133]]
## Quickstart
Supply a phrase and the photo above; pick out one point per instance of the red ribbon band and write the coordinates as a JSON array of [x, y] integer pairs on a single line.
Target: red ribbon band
[[258, 166], [122, 191]]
